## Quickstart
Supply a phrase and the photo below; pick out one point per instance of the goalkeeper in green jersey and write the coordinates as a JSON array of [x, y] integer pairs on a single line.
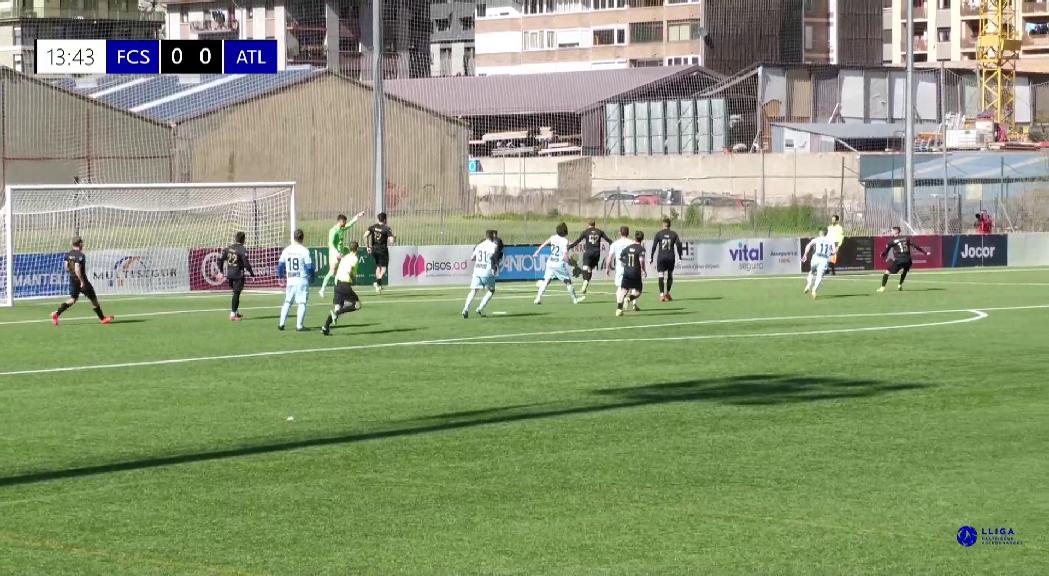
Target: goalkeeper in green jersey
[[337, 247]]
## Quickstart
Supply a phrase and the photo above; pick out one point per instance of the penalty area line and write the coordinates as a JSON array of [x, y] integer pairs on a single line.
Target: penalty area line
[[978, 314]]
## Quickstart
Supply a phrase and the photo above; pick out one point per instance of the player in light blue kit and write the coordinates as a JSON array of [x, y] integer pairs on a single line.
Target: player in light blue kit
[[556, 263], [823, 248], [484, 274], [296, 265]]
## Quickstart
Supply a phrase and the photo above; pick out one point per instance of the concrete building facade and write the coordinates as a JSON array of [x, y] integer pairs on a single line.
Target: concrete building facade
[[22, 22], [537, 36], [452, 38], [330, 33], [947, 30]]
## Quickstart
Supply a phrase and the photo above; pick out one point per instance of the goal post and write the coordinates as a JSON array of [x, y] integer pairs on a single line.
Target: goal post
[[140, 238]]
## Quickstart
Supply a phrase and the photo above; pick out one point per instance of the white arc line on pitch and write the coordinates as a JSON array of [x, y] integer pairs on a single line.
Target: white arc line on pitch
[[979, 314]]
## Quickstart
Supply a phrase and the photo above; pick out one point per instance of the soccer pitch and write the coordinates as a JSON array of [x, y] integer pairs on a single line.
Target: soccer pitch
[[740, 429]]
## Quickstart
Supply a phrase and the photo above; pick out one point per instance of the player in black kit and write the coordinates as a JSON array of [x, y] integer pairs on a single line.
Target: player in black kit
[[633, 262], [497, 258], [666, 249], [901, 247], [378, 239], [232, 265], [76, 266], [591, 239]]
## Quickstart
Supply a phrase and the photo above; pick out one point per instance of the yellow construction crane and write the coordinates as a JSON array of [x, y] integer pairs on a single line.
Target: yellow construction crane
[[997, 50]]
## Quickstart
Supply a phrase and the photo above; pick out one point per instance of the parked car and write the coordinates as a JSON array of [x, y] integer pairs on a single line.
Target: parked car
[[661, 197], [718, 200], [615, 195]]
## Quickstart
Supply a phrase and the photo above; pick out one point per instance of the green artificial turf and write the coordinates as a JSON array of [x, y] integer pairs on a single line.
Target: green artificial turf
[[740, 429]]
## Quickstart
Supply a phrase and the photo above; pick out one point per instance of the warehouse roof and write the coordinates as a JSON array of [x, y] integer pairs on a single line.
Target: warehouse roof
[[174, 99], [519, 94]]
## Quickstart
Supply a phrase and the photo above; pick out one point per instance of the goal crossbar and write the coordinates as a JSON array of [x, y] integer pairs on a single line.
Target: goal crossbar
[[139, 238]]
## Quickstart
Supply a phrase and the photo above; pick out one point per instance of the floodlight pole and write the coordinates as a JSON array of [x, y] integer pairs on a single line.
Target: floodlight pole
[[378, 116], [908, 171]]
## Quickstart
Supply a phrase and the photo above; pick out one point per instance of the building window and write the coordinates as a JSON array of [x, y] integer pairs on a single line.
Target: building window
[[683, 61], [446, 61], [607, 4], [569, 38], [809, 42], [649, 63], [641, 32], [467, 22], [540, 6], [672, 2], [183, 15], [945, 4], [269, 9], [609, 36], [684, 30], [18, 62], [943, 35], [18, 36], [540, 40], [481, 10], [468, 60], [442, 24], [645, 3]]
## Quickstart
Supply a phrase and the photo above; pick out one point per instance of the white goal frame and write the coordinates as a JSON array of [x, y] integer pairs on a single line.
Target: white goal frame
[[11, 191]]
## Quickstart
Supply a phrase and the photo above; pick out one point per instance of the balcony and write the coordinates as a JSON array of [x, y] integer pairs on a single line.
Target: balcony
[[943, 50], [1036, 41], [920, 45], [920, 12], [214, 27], [968, 43], [74, 14], [886, 19], [970, 10], [1036, 8]]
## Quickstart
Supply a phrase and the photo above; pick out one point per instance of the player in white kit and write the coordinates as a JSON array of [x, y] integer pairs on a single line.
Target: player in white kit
[[615, 251], [556, 263], [484, 274], [823, 249], [296, 265]]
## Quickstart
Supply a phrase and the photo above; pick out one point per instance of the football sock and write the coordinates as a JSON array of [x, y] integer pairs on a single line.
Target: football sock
[[571, 292], [284, 309], [484, 301], [98, 312], [235, 306], [662, 286], [469, 300], [670, 281], [62, 308], [300, 317], [903, 276], [884, 280]]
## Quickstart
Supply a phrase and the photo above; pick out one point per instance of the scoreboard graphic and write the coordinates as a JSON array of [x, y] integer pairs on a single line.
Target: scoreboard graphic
[[156, 57]]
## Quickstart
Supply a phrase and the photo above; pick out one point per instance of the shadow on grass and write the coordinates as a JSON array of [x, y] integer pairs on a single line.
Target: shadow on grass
[[746, 390], [836, 296]]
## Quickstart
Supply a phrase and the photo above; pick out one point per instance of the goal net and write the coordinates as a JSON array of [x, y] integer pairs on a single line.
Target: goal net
[[139, 238]]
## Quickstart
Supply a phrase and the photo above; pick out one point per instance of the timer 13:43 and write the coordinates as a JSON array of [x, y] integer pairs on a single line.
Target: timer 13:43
[[63, 57]]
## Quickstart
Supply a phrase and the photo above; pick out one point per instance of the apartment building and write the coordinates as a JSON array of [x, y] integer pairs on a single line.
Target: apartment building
[[331, 33], [946, 30], [22, 22], [534, 36], [452, 38]]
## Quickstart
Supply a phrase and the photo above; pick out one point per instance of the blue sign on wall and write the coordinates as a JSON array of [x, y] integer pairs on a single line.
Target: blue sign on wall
[[519, 264], [474, 165], [40, 275]]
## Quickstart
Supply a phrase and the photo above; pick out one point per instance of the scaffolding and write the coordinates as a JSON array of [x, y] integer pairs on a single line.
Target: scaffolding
[[997, 50]]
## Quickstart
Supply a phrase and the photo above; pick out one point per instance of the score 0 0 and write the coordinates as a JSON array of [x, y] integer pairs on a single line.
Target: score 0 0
[[191, 56]]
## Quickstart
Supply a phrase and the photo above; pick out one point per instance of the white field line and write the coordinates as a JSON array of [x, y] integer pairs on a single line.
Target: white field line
[[274, 306], [979, 313], [525, 285], [976, 315], [961, 282]]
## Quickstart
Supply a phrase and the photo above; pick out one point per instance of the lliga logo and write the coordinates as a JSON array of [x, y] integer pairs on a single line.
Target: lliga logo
[[209, 268], [413, 266]]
